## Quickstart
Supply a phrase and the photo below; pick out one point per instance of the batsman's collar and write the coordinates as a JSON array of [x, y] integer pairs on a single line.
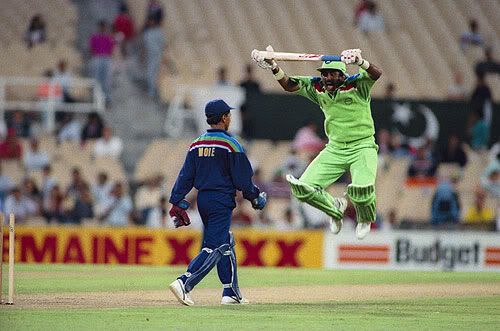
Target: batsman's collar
[[216, 107], [333, 65]]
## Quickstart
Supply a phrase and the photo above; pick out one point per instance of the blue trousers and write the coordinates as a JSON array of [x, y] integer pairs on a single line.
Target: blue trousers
[[215, 210]]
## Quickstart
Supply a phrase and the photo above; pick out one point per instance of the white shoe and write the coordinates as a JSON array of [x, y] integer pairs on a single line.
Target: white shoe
[[336, 225], [362, 229], [177, 288], [227, 300]]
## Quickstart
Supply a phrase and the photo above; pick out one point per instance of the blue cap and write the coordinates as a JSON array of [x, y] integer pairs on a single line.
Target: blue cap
[[216, 107]]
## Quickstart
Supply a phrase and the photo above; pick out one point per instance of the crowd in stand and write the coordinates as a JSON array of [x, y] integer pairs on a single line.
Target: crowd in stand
[[146, 203]]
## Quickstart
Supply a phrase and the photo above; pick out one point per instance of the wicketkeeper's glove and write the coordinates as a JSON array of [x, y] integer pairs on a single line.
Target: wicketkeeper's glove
[[260, 202], [267, 64], [179, 214]]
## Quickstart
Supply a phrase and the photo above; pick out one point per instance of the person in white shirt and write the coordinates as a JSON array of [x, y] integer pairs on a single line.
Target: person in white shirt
[[115, 211], [19, 205], [71, 130], [108, 145], [158, 216], [48, 181], [148, 195], [102, 189], [34, 158], [370, 20], [65, 80]]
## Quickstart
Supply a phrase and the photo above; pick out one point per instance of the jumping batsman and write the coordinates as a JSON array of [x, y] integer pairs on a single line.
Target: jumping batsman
[[216, 165], [345, 101]]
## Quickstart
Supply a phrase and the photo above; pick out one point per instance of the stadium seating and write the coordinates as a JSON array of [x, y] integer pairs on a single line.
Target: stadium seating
[[205, 35], [412, 203], [60, 22]]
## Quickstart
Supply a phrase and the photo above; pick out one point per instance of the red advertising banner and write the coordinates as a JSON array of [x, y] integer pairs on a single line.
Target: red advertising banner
[[160, 247]]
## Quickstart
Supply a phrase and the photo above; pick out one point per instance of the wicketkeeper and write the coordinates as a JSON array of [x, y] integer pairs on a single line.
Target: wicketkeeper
[[345, 101], [216, 165]]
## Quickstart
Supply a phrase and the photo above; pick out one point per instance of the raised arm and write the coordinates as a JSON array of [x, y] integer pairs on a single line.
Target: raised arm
[[268, 64]]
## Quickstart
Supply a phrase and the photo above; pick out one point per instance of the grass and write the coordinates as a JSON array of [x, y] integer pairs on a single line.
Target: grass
[[78, 278], [465, 313]]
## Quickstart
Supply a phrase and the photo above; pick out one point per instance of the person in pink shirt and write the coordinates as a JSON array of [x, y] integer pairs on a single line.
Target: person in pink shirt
[[307, 140], [101, 48]]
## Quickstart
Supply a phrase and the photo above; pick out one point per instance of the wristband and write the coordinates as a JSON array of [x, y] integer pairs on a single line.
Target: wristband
[[365, 64], [279, 75]]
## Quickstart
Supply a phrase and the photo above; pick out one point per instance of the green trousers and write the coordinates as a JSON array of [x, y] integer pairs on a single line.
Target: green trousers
[[360, 158]]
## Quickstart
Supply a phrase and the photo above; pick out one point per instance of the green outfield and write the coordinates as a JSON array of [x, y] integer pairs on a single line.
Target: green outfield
[[83, 297]]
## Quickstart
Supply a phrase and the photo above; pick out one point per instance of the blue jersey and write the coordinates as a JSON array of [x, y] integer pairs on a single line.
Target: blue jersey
[[216, 163]]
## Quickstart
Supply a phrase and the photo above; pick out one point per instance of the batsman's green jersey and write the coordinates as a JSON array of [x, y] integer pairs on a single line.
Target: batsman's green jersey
[[351, 147], [347, 111]]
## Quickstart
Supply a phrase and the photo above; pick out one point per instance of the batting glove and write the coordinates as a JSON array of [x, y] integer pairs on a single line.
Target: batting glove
[[260, 202], [179, 214], [351, 56], [262, 62]]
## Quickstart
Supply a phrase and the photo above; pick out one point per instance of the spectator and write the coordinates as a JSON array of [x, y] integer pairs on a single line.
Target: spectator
[[457, 91], [422, 165], [102, 188], [108, 145], [249, 83], [384, 145], [453, 153], [384, 141], [154, 11], [70, 129], [148, 195], [495, 151], [34, 158], [154, 44], [19, 205], [21, 125], [64, 78], [222, 77], [77, 181], [490, 179], [93, 128], [30, 190], [53, 205], [472, 36], [445, 204], [10, 147], [480, 100], [488, 65], [390, 91], [478, 132], [50, 89], [370, 20], [3, 128], [398, 149], [35, 34], [83, 206], [6, 185], [361, 7], [116, 210], [48, 182], [101, 49], [307, 140], [479, 212], [288, 223], [158, 217], [293, 164], [124, 25]]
